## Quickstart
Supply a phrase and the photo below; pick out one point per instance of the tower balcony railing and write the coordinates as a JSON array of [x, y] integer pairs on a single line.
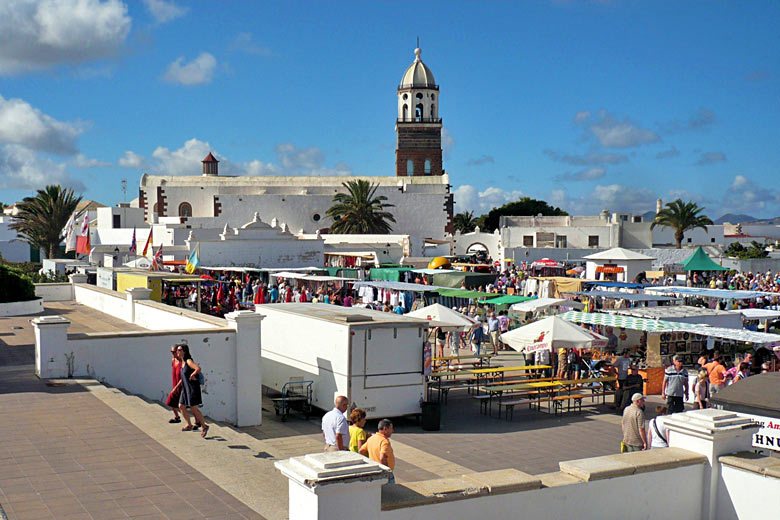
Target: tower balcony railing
[[419, 120], [407, 86]]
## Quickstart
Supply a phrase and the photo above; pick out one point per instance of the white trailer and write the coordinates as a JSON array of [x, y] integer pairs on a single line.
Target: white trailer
[[373, 358]]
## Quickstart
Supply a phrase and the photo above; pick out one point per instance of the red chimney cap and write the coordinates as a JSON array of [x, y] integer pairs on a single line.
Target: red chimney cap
[[210, 158]]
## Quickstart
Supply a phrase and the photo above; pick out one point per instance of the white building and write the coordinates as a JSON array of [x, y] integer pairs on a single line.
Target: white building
[[419, 192]]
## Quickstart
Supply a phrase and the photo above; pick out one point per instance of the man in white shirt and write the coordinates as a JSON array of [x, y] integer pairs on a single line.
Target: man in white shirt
[[335, 428]]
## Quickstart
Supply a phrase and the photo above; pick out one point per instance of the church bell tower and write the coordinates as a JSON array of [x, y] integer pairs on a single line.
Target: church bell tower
[[418, 125]]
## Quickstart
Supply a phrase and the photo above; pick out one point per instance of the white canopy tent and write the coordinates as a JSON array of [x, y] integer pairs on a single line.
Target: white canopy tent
[[549, 333], [441, 316], [538, 304], [757, 314]]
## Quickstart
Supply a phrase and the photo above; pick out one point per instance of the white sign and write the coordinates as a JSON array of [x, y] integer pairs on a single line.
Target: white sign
[[538, 346], [768, 437]]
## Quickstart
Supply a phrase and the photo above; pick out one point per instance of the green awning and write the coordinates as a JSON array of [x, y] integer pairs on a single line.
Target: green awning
[[700, 261], [390, 274], [456, 278], [460, 293], [506, 299]]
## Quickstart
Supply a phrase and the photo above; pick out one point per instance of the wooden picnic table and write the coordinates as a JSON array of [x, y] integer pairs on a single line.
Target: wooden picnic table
[[549, 389], [479, 372], [473, 359]]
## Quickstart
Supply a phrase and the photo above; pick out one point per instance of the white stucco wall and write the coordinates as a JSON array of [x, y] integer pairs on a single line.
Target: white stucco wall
[[54, 292], [745, 495], [158, 316], [288, 253], [631, 268]]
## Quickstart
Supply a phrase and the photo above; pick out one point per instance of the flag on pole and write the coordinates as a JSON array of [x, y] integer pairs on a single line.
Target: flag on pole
[[193, 261], [133, 245], [157, 260], [83, 245], [148, 243], [70, 234]]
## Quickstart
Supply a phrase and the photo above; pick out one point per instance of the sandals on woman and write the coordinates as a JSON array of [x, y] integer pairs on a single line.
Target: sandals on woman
[[187, 428], [204, 430]]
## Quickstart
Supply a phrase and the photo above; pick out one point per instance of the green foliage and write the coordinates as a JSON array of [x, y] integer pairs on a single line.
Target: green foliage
[[525, 207], [360, 210], [465, 222], [41, 219], [682, 216], [737, 250], [14, 285]]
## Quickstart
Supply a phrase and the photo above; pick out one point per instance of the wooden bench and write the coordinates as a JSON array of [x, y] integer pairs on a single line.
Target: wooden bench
[[514, 400], [484, 403], [558, 401]]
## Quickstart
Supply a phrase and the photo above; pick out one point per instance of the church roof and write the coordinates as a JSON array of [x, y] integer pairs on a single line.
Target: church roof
[[418, 74], [210, 158]]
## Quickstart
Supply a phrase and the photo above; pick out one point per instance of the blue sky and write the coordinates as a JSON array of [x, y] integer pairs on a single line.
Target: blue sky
[[588, 105]]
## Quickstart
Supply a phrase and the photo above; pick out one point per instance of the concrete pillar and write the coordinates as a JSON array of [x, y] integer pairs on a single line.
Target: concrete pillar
[[77, 278], [135, 294], [331, 485], [249, 406], [712, 433], [51, 337]]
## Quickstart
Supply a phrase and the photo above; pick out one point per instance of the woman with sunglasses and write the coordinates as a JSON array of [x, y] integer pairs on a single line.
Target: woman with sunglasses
[[175, 394], [190, 395]]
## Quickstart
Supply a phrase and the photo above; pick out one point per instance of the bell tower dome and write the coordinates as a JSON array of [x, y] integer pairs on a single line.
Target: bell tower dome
[[418, 125]]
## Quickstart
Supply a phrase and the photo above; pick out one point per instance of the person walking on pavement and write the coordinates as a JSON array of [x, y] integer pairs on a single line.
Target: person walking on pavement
[[634, 433], [190, 396], [335, 428], [379, 449], [175, 393], [675, 386]]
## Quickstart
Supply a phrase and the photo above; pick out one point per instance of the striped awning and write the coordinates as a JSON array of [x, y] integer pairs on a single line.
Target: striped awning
[[630, 322]]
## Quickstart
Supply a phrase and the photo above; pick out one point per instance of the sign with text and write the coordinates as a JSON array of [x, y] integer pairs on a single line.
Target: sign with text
[[768, 437]]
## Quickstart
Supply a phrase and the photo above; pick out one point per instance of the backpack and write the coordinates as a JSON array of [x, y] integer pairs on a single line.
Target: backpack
[[201, 379]]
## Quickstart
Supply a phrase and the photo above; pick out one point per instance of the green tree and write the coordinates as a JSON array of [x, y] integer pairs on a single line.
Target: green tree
[[465, 222], [756, 250], [681, 216], [16, 286], [41, 219], [525, 207], [360, 210]]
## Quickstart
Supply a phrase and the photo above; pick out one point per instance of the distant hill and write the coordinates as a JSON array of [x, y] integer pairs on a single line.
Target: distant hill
[[732, 218], [774, 221], [648, 216]]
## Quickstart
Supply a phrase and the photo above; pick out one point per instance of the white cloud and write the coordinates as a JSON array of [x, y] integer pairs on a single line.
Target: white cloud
[[708, 158], [468, 198], [22, 168], [587, 174], [581, 117], [132, 160], [260, 168], [163, 11], [23, 124], [185, 160], [745, 196], [699, 120], [612, 133], [82, 161], [482, 159], [587, 159], [294, 158], [37, 34], [197, 72], [612, 197], [666, 154], [244, 42]]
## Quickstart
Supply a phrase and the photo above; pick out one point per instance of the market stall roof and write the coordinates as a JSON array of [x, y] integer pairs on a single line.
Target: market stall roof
[[435, 271], [670, 311], [757, 395], [625, 285], [634, 297], [231, 268], [395, 286], [182, 279], [760, 339], [552, 332], [618, 253], [629, 322], [391, 274], [442, 316], [462, 293], [543, 303], [724, 294], [506, 299], [758, 314], [311, 277], [700, 261]]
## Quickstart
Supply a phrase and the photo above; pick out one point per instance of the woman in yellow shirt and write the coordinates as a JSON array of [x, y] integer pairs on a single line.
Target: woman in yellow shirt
[[357, 435]]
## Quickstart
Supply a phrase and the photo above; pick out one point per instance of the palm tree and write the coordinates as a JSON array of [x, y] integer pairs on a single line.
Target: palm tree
[[681, 216], [465, 222], [360, 210], [41, 219]]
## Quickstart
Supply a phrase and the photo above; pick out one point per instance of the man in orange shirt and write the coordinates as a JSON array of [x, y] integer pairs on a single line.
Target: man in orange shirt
[[717, 374], [378, 448]]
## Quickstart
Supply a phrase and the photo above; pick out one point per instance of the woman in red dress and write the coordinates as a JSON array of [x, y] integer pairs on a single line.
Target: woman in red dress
[[173, 396]]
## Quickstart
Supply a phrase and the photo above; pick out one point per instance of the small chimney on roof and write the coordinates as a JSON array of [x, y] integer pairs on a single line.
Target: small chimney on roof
[[658, 206], [210, 166]]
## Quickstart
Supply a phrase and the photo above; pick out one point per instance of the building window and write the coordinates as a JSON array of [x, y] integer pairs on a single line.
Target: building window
[[406, 96], [185, 209], [418, 114], [712, 240], [316, 217], [689, 240], [427, 166], [433, 97], [593, 241], [528, 241], [155, 208], [560, 241], [637, 218], [116, 222], [409, 167], [419, 96]]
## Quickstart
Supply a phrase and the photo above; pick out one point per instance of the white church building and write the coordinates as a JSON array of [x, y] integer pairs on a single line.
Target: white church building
[[419, 191]]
